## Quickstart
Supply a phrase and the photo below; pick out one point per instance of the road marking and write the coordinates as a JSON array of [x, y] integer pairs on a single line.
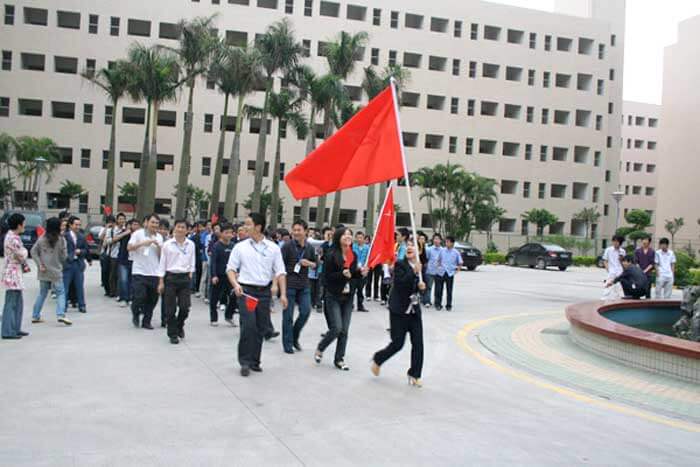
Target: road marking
[[467, 348]]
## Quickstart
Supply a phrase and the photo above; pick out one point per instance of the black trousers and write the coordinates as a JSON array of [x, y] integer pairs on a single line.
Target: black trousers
[[633, 293], [105, 262], [254, 325], [197, 274], [219, 294], [374, 281], [448, 282], [145, 296], [402, 324], [314, 288], [177, 301], [358, 285], [650, 280], [113, 277]]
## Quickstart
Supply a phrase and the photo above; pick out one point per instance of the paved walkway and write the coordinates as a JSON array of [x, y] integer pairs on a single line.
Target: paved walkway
[[104, 393]]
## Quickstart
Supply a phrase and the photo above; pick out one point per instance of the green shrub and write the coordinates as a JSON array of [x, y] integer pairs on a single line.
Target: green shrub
[[684, 263], [585, 261], [694, 276], [494, 258]]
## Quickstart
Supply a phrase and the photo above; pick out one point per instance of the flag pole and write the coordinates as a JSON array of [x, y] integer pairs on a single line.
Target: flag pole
[[392, 83], [376, 227]]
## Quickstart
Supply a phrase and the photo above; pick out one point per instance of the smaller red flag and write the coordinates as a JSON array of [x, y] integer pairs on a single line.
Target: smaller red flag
[[107, 210], [40, 231], [251, 303], [382, 249]]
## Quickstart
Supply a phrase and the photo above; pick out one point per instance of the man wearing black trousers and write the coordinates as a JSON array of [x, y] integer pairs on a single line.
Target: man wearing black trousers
[[220, 286]]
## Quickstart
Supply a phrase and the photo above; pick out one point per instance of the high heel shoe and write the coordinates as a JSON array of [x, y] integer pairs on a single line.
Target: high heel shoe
[[374, 368], [318, 356], [415, 382]]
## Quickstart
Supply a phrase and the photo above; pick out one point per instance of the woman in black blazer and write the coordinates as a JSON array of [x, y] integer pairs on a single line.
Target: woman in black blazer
[[340, 266], [405, 316]]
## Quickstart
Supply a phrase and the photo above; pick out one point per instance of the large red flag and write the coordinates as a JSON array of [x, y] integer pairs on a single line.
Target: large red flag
[[364, 151], [382, 249]]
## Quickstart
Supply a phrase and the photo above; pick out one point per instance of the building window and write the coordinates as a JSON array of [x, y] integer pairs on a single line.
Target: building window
[[528, 152], [377, 17], [36, 16], [545, 116], [545, 79], [530, 114], [472, 69], [596, 194], [90, 66], [308, 7], [600, 88], [206, 166], [108, 114], [469, 147], [114, 26], [547, 42], [93, 24], [87, 113], [105, 159], [598, 122], [612, 74], [453, 144], [596, 159], [83, 203], [543, 153], [611, 107], [208, 123], [601, 51], [455, 66], [526, 189], [7, 60], [31, 107], [4, 106], [306, 48], [394, 20], [533, 40], [63, 110], [474, 34], [613, 39], [375, 57], [289, 7], [541, 190], [9, 15], [530, 77], [607, 176], [471, 103], [457, 29], [85, 158], [454, 105], [392, 57]]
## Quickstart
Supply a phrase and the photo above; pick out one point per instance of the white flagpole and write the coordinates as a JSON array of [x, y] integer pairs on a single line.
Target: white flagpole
[[376, 227], [392, 83]]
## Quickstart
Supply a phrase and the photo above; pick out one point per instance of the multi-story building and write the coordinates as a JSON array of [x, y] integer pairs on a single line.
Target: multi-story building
[[679, 161], [639, 157], [532, 99]]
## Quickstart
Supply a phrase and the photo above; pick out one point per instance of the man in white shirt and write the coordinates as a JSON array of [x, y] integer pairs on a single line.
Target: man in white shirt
[[613, 264], [665, 269], [145, 245], [253, 265], [177, 264]]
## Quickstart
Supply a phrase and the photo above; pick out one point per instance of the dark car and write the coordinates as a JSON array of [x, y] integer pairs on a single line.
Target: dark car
[[471, 257], [92, 236], [599, 261], [541, 256], [33, 219]]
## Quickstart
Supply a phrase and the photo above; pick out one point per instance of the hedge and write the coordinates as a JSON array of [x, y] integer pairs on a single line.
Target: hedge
[[494, 258], [585, 260], [684, 263], [694, 276]]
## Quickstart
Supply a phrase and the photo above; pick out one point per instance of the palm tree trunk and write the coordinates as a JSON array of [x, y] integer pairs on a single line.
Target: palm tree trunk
[[111, 166], [145, 156], [310, 146], [185, 158], [321, 207], [369, 223], [260, 155], [275, 202], [216, 187], [149, 201], [233, 168]]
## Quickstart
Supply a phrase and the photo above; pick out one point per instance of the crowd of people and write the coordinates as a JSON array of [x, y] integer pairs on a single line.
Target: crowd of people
[[237, 269]]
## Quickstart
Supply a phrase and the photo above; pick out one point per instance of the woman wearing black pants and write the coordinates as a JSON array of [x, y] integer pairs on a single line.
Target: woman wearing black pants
[[340, 266], [405, 317]]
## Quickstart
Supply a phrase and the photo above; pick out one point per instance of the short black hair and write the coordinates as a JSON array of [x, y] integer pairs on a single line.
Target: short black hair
[[258, 219], [619, 238], [72, 219], [359, 232], [15, 220], [282, 232], [165, 224], [647, 237], [109, 219], [436, 234], [151, 216], [225, 227], [325, 229], [664, 241], [181, 221], [450, 238], [403, 231], [628, 258], [121, 214], [302, 223]]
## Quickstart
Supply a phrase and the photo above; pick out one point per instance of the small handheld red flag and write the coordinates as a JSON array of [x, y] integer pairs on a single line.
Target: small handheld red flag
[[382, 249], [40, 231], [251, 303], [364, 151], [107, 210]]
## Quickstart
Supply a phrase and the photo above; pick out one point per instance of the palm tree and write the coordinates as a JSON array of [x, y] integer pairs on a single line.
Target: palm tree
[[286, 109], [373, 83], [588, 216], [71, 190], [244, 74], [541, 218], [424, 178], [279, 50], [198, 44], [346, 111], [672, 227], [128, 193], [115, 83], [28, 152], [7, 145], [342, 55], [156, 76]]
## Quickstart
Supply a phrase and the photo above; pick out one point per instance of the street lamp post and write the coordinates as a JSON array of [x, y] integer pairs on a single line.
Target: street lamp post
[[617, 196], [40, 197]]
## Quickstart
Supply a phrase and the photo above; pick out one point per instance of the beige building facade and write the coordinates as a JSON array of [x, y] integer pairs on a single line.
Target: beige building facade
[[530, 98], [679, 165]]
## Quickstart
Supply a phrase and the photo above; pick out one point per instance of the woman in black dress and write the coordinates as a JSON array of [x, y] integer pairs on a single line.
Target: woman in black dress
[[340, 266], [405, 316]]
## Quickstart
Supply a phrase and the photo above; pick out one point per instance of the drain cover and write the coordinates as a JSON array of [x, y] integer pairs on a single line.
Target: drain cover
[[559, 332]]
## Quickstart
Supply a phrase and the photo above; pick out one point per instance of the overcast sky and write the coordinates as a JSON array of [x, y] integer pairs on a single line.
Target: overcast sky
[[651, 25]]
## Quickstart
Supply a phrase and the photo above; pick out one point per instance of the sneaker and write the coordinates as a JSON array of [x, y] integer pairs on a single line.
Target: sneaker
[[206, 301], [37, 320], [222, 308], [383, 302], [65, 321], [213, 324], [123, 304], [197, 294], [428, 305], [174, 340], [230, 322]]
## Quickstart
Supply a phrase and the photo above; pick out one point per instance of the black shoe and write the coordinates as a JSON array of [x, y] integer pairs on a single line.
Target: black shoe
[[297, 346], [256, 368], [162, 325], [438, 307], [12, 337], [147, 326], [272, 335], [245, 371], [291, 351], [181, 333], [174, 340], [22, 334], [448, 308], [82, 310], [363, 309], [135, 321]]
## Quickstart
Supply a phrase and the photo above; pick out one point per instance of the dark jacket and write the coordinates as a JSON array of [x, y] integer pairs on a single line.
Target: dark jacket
[[405, 284], [333, 279], [219, 258], [292, 253], [80, 244], [633, 280], [645, 260]]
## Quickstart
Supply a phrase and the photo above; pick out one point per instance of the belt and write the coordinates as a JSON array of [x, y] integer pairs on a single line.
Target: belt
[[177, 274], [257, 287]]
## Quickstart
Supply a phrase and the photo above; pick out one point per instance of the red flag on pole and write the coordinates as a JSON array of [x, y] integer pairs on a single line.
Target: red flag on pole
[[382, 249], [364, 151]]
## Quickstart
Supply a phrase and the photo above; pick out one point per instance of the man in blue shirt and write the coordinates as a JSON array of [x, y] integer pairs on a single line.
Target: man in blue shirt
[[450, 260], [361, 250], [434, 268]]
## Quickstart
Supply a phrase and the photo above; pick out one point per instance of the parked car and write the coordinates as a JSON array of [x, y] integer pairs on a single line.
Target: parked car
[[92, 236], [471, 256], [33, 219], [541, 256], [600, 262]]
